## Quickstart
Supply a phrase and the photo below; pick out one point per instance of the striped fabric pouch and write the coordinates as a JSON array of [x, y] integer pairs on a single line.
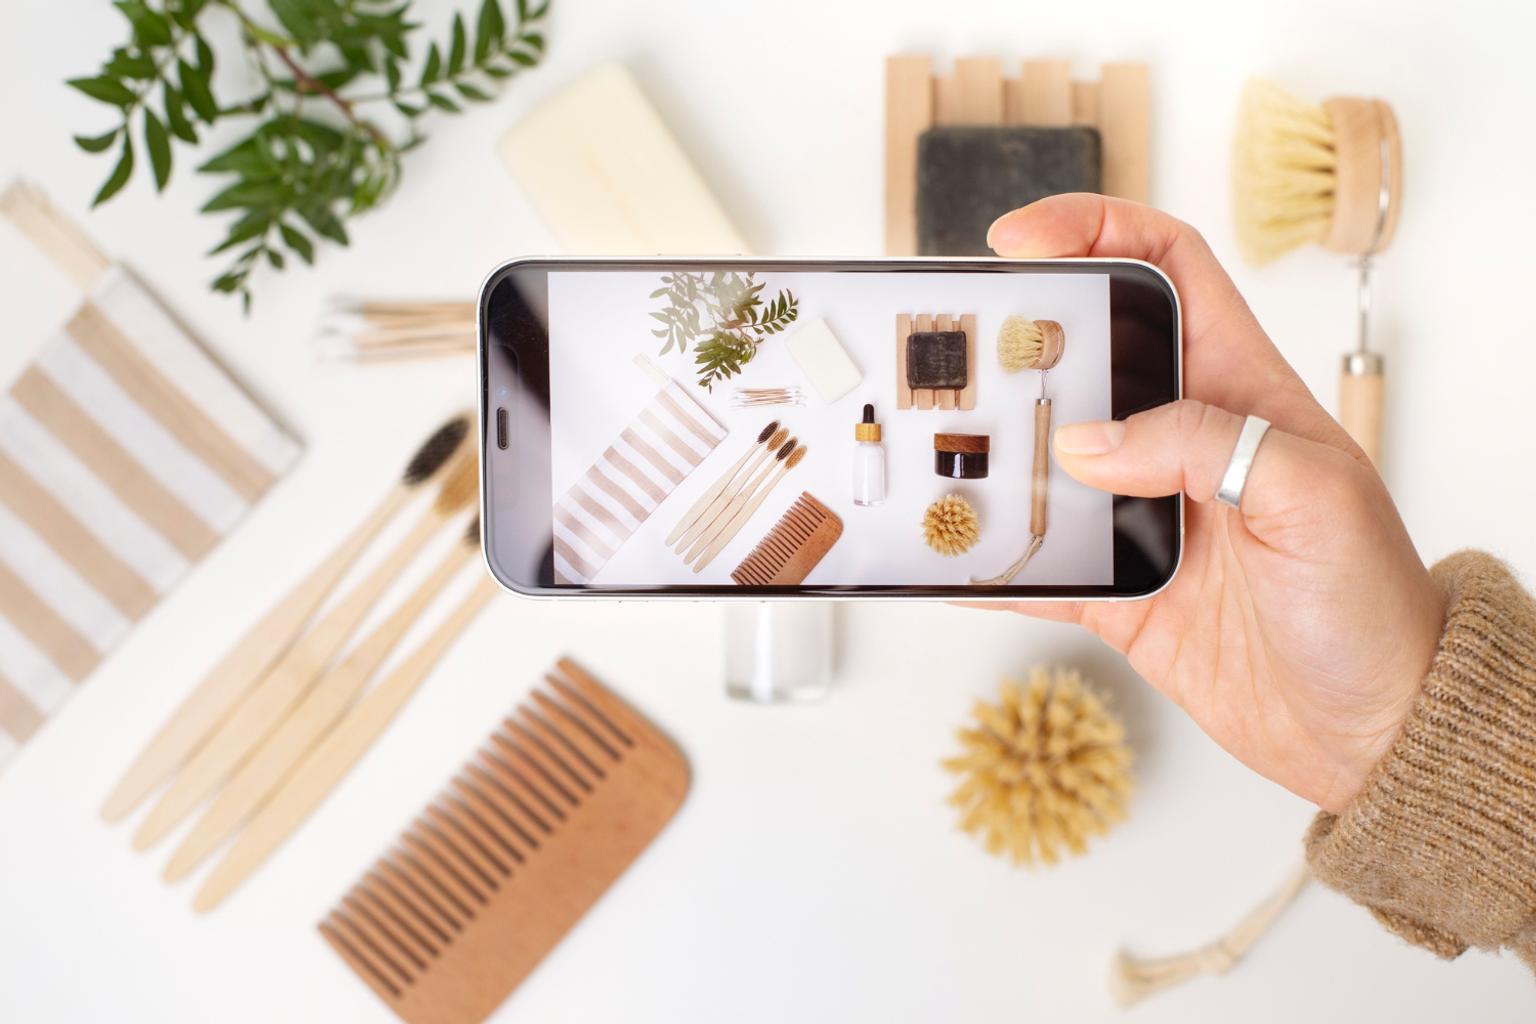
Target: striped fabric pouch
[[649, 458], [126, 453]]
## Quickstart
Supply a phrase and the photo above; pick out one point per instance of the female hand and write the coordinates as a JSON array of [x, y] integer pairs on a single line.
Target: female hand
[[1298, 631]]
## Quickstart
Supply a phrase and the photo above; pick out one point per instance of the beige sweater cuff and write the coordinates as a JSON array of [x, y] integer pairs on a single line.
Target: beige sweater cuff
[[1441, 843]]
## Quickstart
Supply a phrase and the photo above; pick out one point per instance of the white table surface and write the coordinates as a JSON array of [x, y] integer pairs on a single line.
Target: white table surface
[[813, 873]]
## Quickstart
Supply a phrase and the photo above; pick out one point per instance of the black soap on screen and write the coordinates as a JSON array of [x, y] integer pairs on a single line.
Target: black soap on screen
[[936, 359], [969, 175]]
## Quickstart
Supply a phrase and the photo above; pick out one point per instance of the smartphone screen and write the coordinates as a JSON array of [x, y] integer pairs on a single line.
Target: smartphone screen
[[686, 428]]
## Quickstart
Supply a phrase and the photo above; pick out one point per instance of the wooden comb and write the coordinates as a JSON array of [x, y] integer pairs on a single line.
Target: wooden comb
[[537, 825], [800, 539]]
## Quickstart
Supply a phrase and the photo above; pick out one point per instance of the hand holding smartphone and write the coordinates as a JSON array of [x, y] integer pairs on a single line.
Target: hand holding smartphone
[[601, 479]]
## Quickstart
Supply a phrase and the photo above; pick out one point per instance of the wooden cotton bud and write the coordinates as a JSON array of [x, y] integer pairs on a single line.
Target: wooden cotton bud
[[1042, 770]]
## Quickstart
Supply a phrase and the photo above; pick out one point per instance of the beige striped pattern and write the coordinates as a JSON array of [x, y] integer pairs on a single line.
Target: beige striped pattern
[[607, 504], [125, 454]]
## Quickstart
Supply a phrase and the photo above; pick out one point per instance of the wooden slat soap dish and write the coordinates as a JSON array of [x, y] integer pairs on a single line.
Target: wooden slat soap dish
[[523, 841]]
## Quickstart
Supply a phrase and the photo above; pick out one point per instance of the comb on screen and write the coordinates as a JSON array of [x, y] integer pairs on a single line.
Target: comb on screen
[[798, 541], [524, 840]]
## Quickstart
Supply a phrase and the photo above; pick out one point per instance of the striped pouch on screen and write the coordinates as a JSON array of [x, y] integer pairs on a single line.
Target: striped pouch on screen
[[637, 471], [125, 454]]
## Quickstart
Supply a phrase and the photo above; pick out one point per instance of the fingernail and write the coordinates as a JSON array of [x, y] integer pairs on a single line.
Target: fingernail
[[997, 235], [1090, 438]]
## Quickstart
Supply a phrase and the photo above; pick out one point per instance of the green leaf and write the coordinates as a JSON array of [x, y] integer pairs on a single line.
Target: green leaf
[[130, 65], [159, 146], [469, 92], [298, 242], [252, 225], [228, 282], [247, 194], [489, 29], [442, 102], [105, 89], [392, 74], [205, 61], [408, 110], [275, 258], [176, 115], [325, 224], [536, 13], [247, 158], [96, 143], [519, 57], [194, 86], [532, 40], [150, 28], [432, 68], [119, 176], [496, 71], [185, 12], [456, 46]]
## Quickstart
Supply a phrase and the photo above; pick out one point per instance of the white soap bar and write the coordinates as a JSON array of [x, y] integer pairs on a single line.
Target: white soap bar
[[599, 165], [823, 360]]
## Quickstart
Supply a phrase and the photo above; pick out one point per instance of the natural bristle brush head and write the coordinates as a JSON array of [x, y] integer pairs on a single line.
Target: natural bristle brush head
[[779, 437], [1329, 174], [436, 451], [1024, 344], [767, 431], [472, 532], [795, 458]]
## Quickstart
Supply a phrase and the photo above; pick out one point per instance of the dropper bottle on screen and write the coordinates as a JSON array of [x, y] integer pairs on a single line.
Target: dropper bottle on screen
[[868, 461]]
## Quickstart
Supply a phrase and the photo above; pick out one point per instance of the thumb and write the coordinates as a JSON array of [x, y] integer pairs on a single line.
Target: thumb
[[1186, 445]]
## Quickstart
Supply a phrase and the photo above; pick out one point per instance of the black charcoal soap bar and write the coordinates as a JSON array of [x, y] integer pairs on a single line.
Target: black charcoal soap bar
[[969, 175], [936, 359]]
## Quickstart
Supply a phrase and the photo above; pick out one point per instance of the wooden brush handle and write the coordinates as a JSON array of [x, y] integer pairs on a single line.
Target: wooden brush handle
[[319, 709], [245, 663], [1040, 477], [725, 507], [735, 523], [271, 698], [711, 515], [1361, 394], [708, 498], [328, 763]]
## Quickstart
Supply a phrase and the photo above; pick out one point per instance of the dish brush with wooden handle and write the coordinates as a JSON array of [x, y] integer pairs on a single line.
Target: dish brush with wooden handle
[[1332, 175]]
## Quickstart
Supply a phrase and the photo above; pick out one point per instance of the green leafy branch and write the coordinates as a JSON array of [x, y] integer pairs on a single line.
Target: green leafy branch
[[738, 319], [313, 159]]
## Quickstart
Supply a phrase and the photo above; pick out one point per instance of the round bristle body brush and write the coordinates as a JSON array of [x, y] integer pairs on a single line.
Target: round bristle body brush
[[1024, 344], [1329, 174]]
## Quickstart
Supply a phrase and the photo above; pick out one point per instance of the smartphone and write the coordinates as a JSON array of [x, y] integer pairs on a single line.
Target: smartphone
[[628, 427]]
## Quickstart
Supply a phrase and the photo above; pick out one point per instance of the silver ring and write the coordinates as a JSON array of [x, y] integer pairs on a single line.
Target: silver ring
[[1236, 477]]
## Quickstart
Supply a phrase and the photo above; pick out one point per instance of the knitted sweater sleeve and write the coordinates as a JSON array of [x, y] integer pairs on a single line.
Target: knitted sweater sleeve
[[1440, 845]]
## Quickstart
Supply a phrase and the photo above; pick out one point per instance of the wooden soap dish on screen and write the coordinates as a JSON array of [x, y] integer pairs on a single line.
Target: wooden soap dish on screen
[[935, 361], [1043, 95], [523, 841]]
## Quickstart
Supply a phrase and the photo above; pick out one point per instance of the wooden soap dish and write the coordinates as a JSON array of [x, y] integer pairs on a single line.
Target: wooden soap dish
[[537, 825], [908, 397], [1043, 95]]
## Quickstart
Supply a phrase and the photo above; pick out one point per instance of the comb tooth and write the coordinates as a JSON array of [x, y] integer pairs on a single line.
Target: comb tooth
[[483, 842], [611, 711], [524, 785], [421, 924], [439, 863], [401, 867], [577, 721], [530, 732], [565, 740], [489, 815], [453, 834], [367, 944], [514, 791], [337, 932], [373, 892], [386, 937], [539, 757], [510, 746]]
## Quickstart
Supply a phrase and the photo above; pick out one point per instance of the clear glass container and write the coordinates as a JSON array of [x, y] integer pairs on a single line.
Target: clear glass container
[[868, 461], [778, 651]]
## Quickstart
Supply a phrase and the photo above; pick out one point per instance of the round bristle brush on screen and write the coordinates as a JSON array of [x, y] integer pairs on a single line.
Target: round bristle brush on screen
[[1031, 345], [1330, 174]]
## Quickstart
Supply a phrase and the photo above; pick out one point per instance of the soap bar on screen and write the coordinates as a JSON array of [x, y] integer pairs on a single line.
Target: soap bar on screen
[[936, 359], [969, 175], [601, 168], [823, 360]]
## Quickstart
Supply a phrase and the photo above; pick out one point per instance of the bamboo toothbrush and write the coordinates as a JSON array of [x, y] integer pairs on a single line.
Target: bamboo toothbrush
[[270, 700], [308, 784], [712, 514], [265, 770], [245, 663], [720, 485], [1330, 174], [737, 498], [736, 522]]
